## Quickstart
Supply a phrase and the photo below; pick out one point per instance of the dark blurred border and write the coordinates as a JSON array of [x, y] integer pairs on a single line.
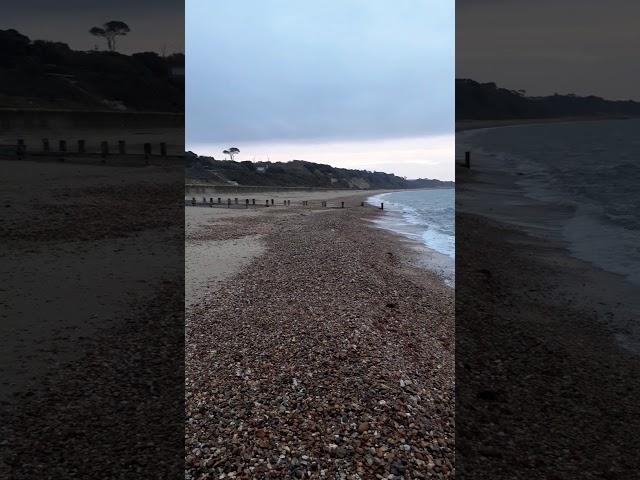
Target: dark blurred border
[[92, 329], [547, 358]]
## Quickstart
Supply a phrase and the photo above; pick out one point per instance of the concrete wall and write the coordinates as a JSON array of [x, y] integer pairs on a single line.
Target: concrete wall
[[25, 120]]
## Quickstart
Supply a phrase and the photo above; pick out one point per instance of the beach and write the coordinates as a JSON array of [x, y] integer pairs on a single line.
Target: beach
[[91, 340], [547, 342], [320, 347]]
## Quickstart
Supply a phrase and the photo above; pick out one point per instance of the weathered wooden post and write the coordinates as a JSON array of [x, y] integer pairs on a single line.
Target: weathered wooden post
[[253, 201], [204, 200], [45, 145], [236, 200], [81, 147], [246, 202], [210, 200], [266, 203], [122, 147], [147, 150], [228, 203], [467, 159], [341, 204], [272, 202], [362, 204], [62, 146], [382, 206], [163, 149], [104, 149], [219, 200], [193, 201]]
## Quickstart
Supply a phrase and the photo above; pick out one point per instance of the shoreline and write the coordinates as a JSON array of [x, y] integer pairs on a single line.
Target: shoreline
[[495, 192], [425, 256], [466, 125], [536, 329], [331, 334]]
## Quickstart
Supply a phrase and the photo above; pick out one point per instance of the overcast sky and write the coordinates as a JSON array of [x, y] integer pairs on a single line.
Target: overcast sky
[[155, 24], [352, 83], [546, 46]]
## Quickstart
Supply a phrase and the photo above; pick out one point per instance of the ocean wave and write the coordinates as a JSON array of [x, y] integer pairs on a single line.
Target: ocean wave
[[426, 216]]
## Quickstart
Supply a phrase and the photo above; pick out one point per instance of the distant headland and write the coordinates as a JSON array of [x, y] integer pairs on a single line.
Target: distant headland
[[296, 173]]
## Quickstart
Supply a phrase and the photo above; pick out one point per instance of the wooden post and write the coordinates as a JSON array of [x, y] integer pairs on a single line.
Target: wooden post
[[163, 149], [362, 204], [193, 201], [219, 200], [266, 203], [467, 159], [62, 146], [272, 202], [81, 148], [147, 150], [45, 145], [253, 201], [204, 200], [236, 200], [341, 204], [228, 203], [382, 206], [122, 147], [104, 149], [211, 200], [246, 202]]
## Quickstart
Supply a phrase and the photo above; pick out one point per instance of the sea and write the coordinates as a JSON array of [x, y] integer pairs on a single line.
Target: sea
[[586, 175], [424, 216]]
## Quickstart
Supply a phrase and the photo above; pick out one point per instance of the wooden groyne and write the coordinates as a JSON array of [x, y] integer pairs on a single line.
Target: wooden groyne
[[220, 202], [81, 151]]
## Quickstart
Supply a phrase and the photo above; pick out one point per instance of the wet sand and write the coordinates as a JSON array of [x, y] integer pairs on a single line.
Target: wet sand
[[329, 354]]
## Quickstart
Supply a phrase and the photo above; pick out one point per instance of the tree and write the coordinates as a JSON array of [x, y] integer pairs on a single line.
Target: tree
[[231, 152], [110, 31]]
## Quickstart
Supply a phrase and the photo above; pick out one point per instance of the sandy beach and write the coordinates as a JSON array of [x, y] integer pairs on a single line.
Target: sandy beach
[[317, 349]]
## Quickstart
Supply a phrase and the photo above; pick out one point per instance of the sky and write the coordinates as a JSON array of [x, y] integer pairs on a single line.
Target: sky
[[353, 83], [586, 47], [156, 25]]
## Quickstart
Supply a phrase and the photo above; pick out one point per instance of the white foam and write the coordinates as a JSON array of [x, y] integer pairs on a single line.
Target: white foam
[[411, 222]]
